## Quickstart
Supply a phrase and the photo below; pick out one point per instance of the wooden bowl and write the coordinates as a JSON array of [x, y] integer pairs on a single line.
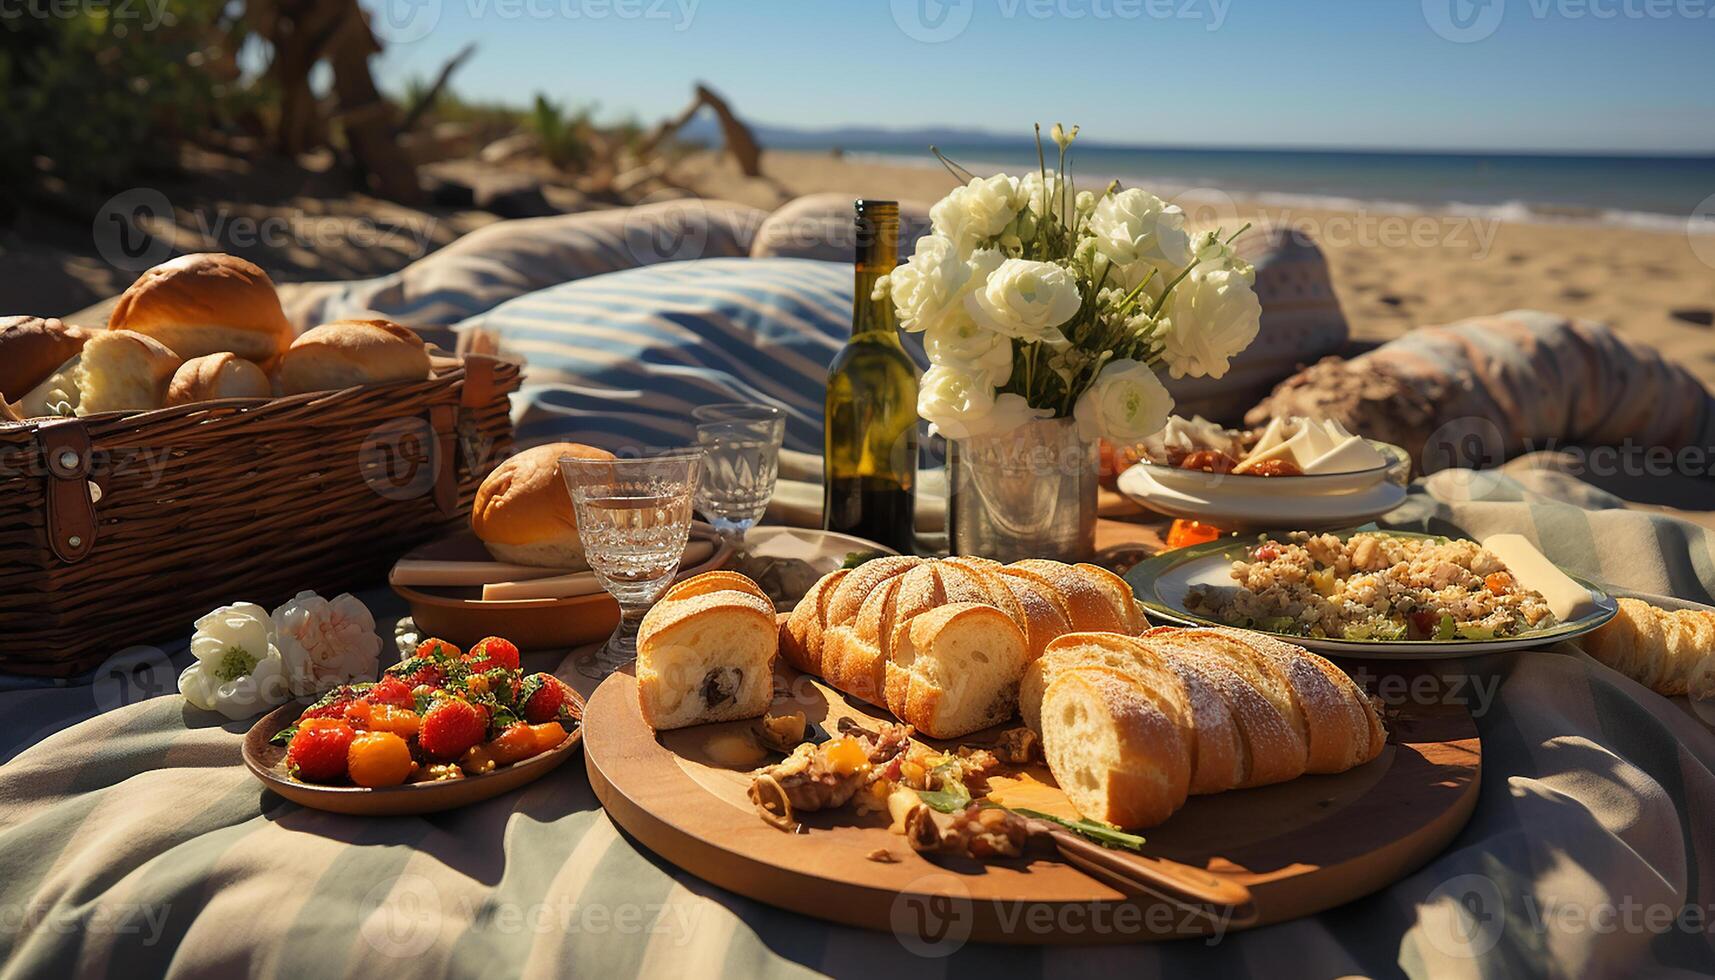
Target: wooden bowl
[[268, 763], [459, 614]]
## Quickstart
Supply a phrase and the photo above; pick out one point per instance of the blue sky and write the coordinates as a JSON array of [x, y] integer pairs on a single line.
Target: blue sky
[[1572, 75]]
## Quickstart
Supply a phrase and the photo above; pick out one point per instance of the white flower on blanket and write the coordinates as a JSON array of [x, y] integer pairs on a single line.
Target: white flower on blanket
[[325, 643], [238, 671]]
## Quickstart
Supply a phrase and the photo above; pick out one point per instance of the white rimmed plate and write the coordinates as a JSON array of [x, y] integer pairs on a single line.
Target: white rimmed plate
[[1258, 501], [1213, 485], [1162, 582]]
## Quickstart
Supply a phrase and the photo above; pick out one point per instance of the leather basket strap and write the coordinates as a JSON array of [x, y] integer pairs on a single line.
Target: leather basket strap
[[479, 384], [444, 420], [71, 513]]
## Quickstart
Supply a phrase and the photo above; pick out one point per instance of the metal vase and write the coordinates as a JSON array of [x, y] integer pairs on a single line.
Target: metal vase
[[1030, 493]]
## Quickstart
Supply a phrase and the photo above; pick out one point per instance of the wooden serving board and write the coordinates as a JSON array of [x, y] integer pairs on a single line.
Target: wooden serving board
[[1299, 847]]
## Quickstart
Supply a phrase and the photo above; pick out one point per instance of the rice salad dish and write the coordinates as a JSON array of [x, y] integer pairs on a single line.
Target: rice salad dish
[[1374, 586]]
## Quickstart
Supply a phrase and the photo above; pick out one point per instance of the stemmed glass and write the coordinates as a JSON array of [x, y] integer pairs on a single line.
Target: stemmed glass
[[741, 462], [634, 516]]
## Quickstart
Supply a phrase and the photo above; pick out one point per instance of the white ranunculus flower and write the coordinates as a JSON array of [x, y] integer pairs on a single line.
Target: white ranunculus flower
[[975, 212], [1043, 194], [958, 403], [1212, 315], [931, 286], [1011, 411], [1137, 230], [1208, 251], [325, 643], [238, 671], [1026, 300], [1126, 403], [957, 342]]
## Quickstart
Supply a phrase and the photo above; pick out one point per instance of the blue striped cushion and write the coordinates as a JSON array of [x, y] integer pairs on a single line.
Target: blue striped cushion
[[619, 360]]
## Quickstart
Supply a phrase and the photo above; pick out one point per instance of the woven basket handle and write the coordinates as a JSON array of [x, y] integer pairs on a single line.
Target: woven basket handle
[[71, 514]]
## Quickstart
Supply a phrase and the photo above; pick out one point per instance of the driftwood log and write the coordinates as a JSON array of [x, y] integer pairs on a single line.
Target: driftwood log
[[740, 142]]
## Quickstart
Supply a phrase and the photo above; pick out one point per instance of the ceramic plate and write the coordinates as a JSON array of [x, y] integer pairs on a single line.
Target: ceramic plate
[[1213, 485], [1162, 582], [1258, 503], [268, 763]]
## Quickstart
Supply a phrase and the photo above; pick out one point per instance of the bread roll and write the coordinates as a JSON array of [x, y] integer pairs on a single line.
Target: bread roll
[[705, 652], [118, 371], [207, 303], [523, 512], [212, 376], [1114, 753], [1656, 648], [850, 628], [32, 349], [348, 353]]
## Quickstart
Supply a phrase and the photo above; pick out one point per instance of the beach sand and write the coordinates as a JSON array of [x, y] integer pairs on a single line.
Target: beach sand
[[1392, 270]]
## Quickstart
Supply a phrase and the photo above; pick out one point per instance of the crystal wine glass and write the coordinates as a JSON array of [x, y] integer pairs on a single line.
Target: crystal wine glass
[[634, 516], [741, 462]]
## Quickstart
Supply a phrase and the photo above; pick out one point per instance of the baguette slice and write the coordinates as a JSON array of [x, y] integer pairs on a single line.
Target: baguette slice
[[1114, 753], [954, 669], [705, 653], [1341, 728], [1273, 748], [801, 635], [1090, 599]]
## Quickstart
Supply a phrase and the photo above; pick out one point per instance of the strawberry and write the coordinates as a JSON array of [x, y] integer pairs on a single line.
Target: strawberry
[[332, 704], [491, 652], [391, 690], [451, 726], [434, 645], [544, 695], [318, 751]]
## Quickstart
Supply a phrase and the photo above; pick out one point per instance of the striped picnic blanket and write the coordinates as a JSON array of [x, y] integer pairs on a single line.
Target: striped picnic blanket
[[135, 843]]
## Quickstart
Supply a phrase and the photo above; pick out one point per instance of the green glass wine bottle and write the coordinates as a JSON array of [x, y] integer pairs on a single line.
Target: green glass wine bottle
[[870, 423]]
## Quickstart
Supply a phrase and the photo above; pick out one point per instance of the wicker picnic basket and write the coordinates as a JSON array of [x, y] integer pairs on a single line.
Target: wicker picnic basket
[[120, 529]]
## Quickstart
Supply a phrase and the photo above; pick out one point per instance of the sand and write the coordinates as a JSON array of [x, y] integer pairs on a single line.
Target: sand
[[1393, 271]]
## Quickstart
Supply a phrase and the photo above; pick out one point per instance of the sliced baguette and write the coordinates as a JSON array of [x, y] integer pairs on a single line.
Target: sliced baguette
[[705, 652], [954, 669], [1115, 754]]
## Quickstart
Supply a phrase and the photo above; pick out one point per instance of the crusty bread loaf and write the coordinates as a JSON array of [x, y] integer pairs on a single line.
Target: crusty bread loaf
[[705, 652], [117, 371], [31, 349], [850, 629], [206, 303], [349, 353], [523, 512], [1115, 754], [212, 376], [953, 668], [1251, 710], [1657, 648]]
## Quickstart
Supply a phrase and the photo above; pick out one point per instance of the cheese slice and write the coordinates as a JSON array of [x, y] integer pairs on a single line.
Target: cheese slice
[[577, 584], [1348, 456], [1530, 568], [1297, 449], [1278, 431], [413, 571]]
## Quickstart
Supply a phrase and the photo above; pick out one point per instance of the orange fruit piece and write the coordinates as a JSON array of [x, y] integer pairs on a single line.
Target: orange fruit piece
[[548, 735], [378, 759], [402, 722], [515, 743]]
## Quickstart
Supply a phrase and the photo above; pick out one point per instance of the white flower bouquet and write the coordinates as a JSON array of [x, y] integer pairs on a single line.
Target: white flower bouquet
[[1038, 301]]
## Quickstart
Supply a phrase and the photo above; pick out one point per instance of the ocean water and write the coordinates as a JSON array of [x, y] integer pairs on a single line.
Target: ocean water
[[1656, 191]]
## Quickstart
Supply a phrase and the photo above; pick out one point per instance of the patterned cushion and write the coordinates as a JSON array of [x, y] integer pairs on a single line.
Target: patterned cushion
[[1301, 323], [620, 360], [819, 226], [510, 258]]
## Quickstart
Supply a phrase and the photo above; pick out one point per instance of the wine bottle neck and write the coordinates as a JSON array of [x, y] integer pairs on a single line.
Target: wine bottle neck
[[877, 253]]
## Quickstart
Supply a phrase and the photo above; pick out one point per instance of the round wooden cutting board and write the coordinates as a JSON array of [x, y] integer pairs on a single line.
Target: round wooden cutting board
[[1300, 847]]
